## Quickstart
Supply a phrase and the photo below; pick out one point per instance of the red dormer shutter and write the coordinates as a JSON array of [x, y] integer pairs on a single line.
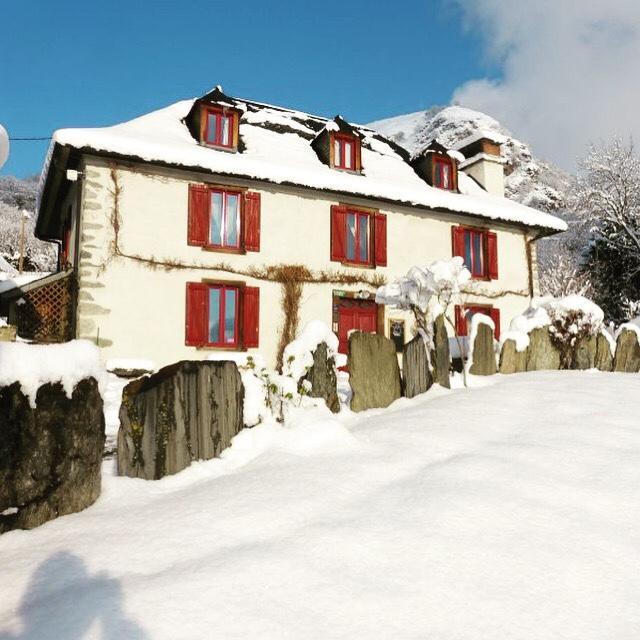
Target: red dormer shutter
[[198, 225], [492, 255], [338, 233], [251, 317], [457, 241], [494, 313], [196, 313], [252, 221], [380, 239]]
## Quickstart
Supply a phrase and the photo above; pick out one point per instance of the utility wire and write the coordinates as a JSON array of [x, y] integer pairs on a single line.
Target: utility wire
[[23, 139]]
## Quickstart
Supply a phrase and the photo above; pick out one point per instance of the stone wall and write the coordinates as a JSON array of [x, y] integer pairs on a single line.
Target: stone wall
[[374, 373], [627, 358], [187, 411], [483, 356], [50, 455], [322, 378], [416, 368]]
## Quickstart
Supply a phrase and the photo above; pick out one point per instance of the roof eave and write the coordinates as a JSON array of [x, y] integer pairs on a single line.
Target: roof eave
[[542, 231], [44, 229]]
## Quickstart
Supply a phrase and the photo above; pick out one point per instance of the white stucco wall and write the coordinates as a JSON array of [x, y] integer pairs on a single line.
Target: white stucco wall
[[135, 311]]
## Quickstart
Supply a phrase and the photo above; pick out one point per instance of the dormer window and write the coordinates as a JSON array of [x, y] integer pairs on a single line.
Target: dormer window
[[219, 128], [346, 152], [443, 173]]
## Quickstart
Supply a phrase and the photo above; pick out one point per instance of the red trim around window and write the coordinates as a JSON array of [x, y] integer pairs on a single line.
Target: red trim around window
[[438, 177], [340, 159], [225, 196], [361, 218], [215, 138], [221, 316]]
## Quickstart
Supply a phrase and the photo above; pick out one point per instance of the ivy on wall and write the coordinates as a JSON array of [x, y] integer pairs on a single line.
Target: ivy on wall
[[291, 277]]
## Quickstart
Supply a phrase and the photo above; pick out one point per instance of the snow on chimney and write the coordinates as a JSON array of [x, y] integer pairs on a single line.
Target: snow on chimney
[[484, 161]]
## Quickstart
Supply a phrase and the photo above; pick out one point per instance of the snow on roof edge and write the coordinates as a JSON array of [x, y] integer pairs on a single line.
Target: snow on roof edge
[[168, 142]]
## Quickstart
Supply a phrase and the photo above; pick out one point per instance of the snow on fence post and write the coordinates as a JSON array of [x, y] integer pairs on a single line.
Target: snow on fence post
[[627, 358], [481, 341], [52, 431]]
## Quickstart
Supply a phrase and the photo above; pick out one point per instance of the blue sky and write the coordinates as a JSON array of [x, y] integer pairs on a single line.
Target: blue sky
[[65, 64]]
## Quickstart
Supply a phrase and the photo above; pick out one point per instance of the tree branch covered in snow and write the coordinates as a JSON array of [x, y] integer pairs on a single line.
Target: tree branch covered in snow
[[16, 198], [607, 199], [429, 292]]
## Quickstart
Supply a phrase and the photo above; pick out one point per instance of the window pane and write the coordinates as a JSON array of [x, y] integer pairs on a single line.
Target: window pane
[[214, 315], [351, 236], [477, 254], [230, 316], [231, 220], [363, 238], [348, 150], [446, 172], [226, 130], [336, 153], [212, 119], [467, 251], [438, 176], [216, 218]]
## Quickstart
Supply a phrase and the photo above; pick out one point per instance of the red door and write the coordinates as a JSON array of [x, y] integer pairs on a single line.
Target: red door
[[359, 315]]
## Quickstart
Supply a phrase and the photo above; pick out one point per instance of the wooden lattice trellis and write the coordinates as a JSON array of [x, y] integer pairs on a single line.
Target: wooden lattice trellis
[[45, 313]]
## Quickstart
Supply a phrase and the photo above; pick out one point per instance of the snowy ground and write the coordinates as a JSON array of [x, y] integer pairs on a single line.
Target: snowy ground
[[508, 512]]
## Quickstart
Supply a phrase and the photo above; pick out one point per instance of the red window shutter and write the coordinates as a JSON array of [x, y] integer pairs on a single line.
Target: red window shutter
[[251, 317], [196, 314], [495, 316], [338, 233], [492, 255], [380, 238], [457, 240], [198, 226], [252, 221], [461, 323]]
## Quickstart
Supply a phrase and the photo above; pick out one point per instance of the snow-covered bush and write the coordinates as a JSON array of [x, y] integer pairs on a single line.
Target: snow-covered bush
[[298, 355], [569, 319], [270, 395]]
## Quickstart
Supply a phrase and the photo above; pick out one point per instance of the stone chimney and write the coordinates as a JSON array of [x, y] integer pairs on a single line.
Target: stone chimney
[[483, 160]]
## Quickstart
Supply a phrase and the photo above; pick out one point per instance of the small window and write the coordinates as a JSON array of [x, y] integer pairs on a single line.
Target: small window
[[223, 316], [358, 248], [345, 152], [224, 225], [219, 128], [443, 173]]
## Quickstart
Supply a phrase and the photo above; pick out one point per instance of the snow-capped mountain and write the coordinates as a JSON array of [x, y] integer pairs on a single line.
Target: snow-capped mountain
[[528, 179]]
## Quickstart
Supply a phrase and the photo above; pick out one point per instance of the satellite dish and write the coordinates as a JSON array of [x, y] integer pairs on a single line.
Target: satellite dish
[[4, 145]]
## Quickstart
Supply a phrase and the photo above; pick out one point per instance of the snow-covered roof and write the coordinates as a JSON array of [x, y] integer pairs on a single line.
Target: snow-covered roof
[[276, 147]]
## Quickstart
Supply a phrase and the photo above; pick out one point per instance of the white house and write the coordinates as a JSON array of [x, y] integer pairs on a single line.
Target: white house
[[221, 224]]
